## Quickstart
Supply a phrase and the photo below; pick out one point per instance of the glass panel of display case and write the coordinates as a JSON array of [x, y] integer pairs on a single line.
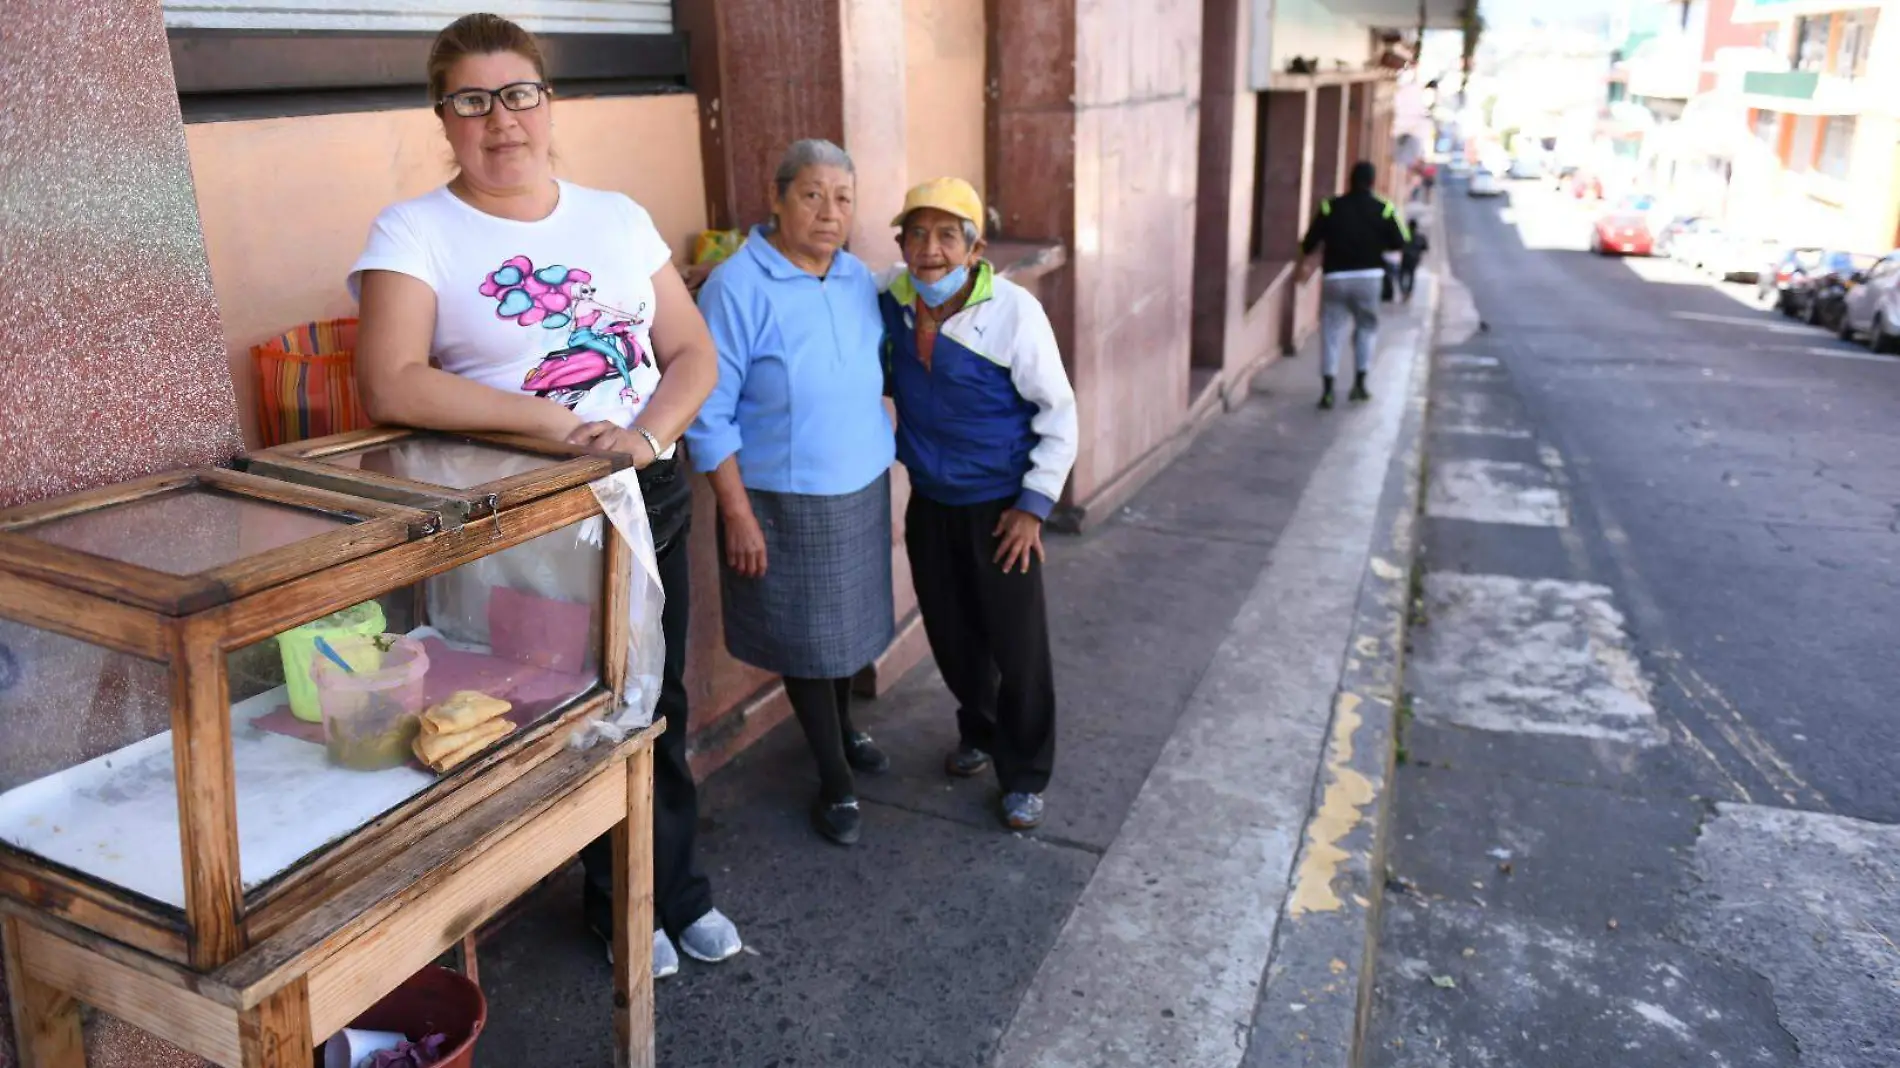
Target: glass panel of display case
[[185, 531], [86, 776], [338, 721], [456, 463]]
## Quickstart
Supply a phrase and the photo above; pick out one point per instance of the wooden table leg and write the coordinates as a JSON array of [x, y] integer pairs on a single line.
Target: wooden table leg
[[633, 919], [276, 1034], [466, 960], [46, 1021]]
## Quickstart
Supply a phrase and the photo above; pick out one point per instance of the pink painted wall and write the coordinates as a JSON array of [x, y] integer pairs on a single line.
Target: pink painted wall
[[944, 70], [286, 203]]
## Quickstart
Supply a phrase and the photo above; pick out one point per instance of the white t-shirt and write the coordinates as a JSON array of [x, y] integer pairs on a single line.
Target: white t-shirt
[[560, 308]]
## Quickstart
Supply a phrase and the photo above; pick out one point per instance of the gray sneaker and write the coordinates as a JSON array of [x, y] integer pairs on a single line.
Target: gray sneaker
[[712, 938], [1022, 811], [666, 960]]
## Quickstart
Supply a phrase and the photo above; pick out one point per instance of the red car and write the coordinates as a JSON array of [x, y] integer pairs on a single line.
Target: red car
[[1622, 234]]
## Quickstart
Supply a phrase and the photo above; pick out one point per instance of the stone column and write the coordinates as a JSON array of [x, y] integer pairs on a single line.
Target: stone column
[[1329, 142], [114, 359]]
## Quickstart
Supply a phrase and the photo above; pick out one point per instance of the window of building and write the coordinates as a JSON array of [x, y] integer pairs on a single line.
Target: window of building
[[1810, 42], [252, 58], [1857, 35], [1801, 150], [1837, 146]]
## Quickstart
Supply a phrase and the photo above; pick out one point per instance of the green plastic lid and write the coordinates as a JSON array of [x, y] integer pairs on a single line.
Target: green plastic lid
[[358, 618]]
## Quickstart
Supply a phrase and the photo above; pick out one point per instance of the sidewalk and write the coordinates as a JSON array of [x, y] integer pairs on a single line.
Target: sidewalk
[[1200, 639]]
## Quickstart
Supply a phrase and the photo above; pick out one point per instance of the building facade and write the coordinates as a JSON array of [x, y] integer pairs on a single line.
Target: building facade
[[1786, 117], [201, 174]]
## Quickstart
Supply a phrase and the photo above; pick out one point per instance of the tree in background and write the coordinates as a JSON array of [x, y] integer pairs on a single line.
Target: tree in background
[[1472, 24]]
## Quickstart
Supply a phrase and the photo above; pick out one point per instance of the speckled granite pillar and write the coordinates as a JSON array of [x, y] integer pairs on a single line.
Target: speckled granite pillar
[[112, 364]]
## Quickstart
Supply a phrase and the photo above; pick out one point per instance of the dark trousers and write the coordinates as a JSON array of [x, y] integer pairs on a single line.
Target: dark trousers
[[681, 892], [1408, 274], [823, 707], [989, 632]]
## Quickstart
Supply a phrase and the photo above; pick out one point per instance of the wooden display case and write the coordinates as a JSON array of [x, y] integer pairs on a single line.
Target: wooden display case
[[176, 848], [493, 473]]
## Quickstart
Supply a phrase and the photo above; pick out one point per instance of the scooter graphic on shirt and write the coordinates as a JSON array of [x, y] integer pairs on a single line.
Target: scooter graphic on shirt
[[602, 343]]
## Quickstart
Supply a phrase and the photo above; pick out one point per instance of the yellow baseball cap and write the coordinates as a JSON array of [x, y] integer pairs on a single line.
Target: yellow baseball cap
[[952, 195]]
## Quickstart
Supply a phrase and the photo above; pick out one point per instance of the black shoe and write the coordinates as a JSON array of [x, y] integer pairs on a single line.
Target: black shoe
[[1326, 401], [863, 754], [836, 820], [1359, 391], [966, 763]]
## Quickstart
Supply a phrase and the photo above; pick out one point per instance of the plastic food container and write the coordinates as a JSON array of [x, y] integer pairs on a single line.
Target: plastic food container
[[370, 714], [298, 648]]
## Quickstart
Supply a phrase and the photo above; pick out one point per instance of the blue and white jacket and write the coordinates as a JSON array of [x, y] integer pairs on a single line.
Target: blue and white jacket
[[993, 417]]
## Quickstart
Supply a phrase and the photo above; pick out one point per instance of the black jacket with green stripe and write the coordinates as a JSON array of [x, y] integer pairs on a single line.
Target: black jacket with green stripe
[[1357, 230]]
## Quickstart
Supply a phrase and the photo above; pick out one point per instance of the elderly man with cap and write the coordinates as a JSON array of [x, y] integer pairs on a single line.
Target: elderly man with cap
[[986, 427]]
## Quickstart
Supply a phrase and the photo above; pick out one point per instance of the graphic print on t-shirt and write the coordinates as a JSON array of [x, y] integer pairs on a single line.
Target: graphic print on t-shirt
[[600, 343]]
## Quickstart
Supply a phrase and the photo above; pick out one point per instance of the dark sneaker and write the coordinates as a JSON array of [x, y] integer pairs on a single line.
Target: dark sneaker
[[863, 754], [1359, 393], [1326, 401], [836, 820], [1022, 811], [966, 763]]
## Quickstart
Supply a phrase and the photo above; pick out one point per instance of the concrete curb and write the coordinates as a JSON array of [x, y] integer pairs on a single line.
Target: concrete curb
[[1316, 997]]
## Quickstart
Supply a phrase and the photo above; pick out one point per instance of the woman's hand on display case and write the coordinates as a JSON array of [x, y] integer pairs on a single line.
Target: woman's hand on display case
[[609, 437]]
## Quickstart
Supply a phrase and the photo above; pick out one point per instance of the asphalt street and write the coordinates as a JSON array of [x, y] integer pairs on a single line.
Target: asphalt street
[[1646, 802]]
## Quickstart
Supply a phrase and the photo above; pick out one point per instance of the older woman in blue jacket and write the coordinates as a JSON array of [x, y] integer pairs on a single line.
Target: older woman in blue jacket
[[798, 447]]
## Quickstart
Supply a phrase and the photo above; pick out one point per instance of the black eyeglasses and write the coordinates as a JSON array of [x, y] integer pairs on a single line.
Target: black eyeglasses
[[474, 103]]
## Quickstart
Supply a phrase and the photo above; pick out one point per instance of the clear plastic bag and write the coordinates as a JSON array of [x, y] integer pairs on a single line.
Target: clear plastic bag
[[619, 496]]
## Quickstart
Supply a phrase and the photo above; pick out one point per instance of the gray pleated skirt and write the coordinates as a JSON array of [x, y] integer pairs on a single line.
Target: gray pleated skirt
[[823, 609]]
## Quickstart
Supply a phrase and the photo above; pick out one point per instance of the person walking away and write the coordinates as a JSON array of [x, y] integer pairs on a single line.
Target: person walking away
[[1356, 229], [445, 344], [1416, 245], [986, 427], [799, 448]]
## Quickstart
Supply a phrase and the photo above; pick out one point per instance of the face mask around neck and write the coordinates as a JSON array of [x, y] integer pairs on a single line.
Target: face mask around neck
[[936, 294]]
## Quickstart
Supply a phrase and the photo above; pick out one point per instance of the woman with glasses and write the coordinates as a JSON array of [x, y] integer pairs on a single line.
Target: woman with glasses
[[510, 300]]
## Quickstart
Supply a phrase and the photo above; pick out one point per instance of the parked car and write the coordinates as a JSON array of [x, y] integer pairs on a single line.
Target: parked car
[[1622, 233], [1816, 292], [1483, 184], [1693, 245], [1779, 275], [1739, 257], [1872, 306], [1666, 234], [1524, 169]]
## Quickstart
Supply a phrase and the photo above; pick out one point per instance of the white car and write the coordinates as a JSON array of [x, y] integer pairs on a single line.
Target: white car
[[1872, 306], [1484, 184]]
